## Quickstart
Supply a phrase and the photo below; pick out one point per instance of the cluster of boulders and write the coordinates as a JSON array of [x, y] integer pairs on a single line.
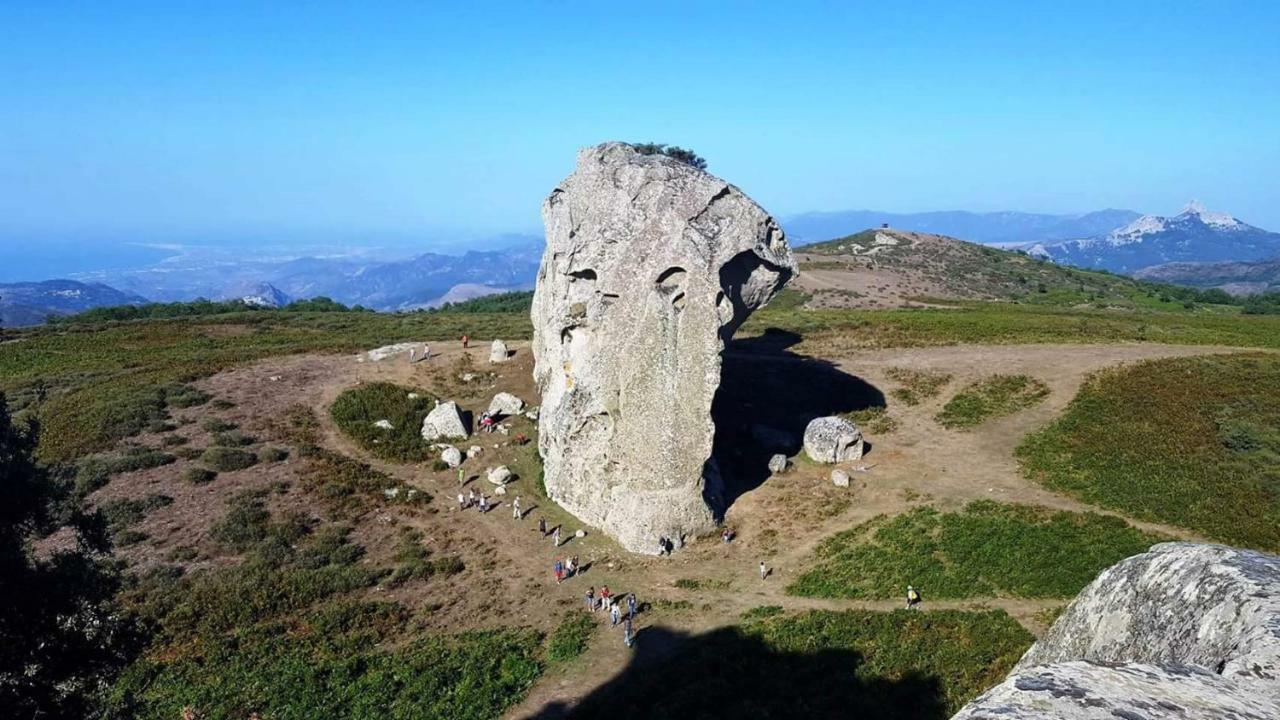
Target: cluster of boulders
[[446, 421], [1182, 631]]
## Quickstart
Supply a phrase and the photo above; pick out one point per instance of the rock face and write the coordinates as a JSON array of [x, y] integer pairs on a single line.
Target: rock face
[[1191, 604], [451, 456], [498, 352], [444, 421], [778, 463], [832, 440], [1182, 631], [1085, 691], [650, 266], [500, 475], [505, 404]]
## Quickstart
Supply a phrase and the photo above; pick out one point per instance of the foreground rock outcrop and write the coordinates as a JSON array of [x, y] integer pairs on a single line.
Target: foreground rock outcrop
[[650, 266], [1182, 631]]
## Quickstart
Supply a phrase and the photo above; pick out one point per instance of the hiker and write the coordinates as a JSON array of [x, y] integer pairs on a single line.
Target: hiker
[[484, 504], [462, 477], [606, 597], [462, 501], [726, 534], [426, 352], [913, 597], [662, 546], [628, 638], [569, 567], [615, 614], [515, 509], [631, 605], [591, 599], [559, 567], [542, 526], [555, 536], [577, 567], [486, 422], [471, 497], [465, 340], [764, 570]]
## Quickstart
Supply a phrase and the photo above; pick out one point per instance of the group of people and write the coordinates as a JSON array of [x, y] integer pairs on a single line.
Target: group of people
[[566, 568], [607, 602], [473, 499]]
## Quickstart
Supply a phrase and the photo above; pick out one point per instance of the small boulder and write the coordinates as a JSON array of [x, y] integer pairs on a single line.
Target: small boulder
[[505, 404], [500, 490], [580, 534], [474, 451], [413, 396], [532, 414], [444, 421], [451, 456], [778, 464], [498, 352], [840, 478], [832, 439], [384, 424], [500, 475]]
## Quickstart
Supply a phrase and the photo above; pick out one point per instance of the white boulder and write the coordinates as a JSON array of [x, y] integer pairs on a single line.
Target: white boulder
[[832, 439], [840, 478], [505, 404], [444, 421], [500, 475], [498, 352], [384, 425], [778, 463], [451, 456]]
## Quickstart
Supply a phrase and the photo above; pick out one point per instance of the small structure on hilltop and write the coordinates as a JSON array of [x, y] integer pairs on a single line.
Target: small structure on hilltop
[[650, 266]]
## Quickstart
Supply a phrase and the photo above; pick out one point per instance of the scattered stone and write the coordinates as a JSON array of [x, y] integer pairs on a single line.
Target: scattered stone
[[444, 421], [840, 478], [650, 266], [532, 414], [498, 352], [275, 378], [474, 451], [580, 534], [500, 490], [503, 429], [778, 464], [500, 475], [451, 456], [413, 396], [384, 424], [387, 351], [505, 404], [832, 439], [467, 377], [391, 492]]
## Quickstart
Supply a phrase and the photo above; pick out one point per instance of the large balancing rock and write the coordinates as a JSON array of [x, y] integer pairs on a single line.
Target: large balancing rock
[[650, 266]]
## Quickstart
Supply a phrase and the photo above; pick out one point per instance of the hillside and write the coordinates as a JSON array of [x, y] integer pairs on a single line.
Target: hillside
[[1193, 235], [29, 303], [894, 268], [990, 227], [1237, 278]]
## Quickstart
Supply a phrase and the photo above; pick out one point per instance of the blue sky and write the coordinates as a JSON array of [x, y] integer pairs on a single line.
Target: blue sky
[[363, 122]]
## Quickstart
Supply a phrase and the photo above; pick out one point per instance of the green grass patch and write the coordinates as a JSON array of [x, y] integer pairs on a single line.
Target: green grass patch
[[820, 664], [357, 410], [916, 386], [874, 420], [992, 397], [414, 562], [1193, 442], [227, 459], [571, 637], [988, 550]]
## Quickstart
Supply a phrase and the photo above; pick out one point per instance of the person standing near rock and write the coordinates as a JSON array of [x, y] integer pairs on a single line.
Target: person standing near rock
[[515, 509], [555, 536], [462, 477]]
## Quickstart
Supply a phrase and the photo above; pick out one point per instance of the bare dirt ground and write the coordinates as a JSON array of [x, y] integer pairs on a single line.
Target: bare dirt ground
[[508, 580]]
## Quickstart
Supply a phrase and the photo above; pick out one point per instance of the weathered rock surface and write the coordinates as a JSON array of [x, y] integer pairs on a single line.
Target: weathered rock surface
[[832, 439], [500, 475], [1183, 630], [498, 352], [778, 464], [451, 456], [650, 266], [1186, 603], [1086, 691], [840, 478], [387, 352], [505, 404], [444, 421]]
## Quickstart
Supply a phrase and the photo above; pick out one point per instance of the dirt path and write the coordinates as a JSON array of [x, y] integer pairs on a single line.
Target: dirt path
[[508, 579]]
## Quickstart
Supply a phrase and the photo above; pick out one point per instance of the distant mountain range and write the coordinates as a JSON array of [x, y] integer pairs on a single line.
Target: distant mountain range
[[988, 228], [1237, 278], [29, 303], [1195, 235]]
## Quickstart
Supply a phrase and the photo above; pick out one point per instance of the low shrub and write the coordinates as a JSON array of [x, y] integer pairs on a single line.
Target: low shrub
[[233, 438], [571, 637], [916, 385], [225, 459], [992, 397], [199, 475], [357, 410], [273, 455]]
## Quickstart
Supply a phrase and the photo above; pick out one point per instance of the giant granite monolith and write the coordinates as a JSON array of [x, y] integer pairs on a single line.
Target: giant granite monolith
[[650, 266]]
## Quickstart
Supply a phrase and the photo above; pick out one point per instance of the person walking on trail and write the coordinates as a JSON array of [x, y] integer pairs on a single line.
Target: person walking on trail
[[515, 509], [426, 352], [568, 567], [555, 536], [484, 504], [462, 477], [591, 599], [462, 501], [465, 340], [542, 526], [606, 597], [913, 597], [631, 606], [577, 566], [764, 570], [471, 497], [628, 637], [559, 569], [615, 614]]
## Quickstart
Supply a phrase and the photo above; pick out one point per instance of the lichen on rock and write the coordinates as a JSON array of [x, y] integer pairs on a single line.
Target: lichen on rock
[[650, 266]]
